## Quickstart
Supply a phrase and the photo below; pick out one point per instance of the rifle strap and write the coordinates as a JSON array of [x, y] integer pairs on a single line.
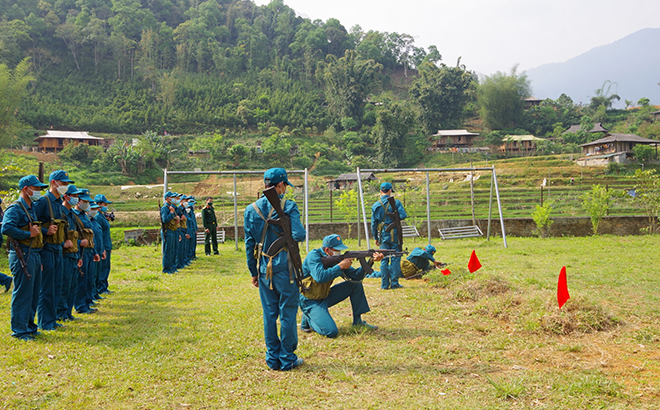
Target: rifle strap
[[31, 222]]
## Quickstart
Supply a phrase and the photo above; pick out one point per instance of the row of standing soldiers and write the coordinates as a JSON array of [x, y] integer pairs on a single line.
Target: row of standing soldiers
[[178, 231], [59, 253]]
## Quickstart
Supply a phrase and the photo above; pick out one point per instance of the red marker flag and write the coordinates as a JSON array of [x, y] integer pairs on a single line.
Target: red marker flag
[[445, 272], [474, 263], [562, 288]]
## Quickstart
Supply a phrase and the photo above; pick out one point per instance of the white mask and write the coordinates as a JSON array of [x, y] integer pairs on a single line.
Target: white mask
[[84, 206], [35, 196], [93, 213], [62, 189]]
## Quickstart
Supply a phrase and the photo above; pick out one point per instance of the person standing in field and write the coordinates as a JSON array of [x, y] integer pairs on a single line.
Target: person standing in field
[[21, 225], [104, 221], [5, 280], [210, 224], [72, 256], [170, 221], [192, 230], [272, 274], [390, 267]]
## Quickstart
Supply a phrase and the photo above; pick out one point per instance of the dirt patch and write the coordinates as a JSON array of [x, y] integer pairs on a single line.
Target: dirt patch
[[578, 316]]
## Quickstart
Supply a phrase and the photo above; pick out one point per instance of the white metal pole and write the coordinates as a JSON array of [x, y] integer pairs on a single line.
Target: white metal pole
[[490, 203], [235, 215], [164, 182], [499, 206], [364, 212], [428, 206]]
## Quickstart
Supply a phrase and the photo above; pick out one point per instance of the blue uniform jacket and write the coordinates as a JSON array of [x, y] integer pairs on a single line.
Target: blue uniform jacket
[[86, 224], [254, 225], [165, 214], [68, 214], [420, 258], [98, 236], [192, 222], [14, 219], [105, 231], [43, 214], [378, 216]]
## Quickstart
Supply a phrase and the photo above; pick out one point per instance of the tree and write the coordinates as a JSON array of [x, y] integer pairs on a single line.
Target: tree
[[501, 97], [391, 132], [644, 153], [603, 97], [348, 80], [647, 195], [13, 90], [597, 204], [441, 95]]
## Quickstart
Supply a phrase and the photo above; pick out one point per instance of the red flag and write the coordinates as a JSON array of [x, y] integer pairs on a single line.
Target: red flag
[[445, 272], [474, 263], [562, 288]]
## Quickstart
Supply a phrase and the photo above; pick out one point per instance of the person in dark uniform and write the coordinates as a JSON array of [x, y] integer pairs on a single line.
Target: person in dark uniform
[[210, 224], [53, 226], [83, 302], [180, 262], [104, 222], [72, 256], [5, 280], [20, 223], [278, 289], [321, 294], [390, 267], [192, 230], [418, 262]]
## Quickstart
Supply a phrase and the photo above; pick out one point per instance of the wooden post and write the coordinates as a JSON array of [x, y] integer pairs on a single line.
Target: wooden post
[[474, 220], [41, 172], [541, 195], [331, 189]]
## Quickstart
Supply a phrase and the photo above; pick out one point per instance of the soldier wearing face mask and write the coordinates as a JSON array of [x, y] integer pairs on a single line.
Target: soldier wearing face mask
[[72, 255], [23, 230], [54, 226], [83, 303], [99, 249]]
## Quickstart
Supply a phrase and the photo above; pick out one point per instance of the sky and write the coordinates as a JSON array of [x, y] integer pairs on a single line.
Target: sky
[[494, 35]]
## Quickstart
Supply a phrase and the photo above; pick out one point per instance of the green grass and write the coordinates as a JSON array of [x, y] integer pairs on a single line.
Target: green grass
[[486, 340]]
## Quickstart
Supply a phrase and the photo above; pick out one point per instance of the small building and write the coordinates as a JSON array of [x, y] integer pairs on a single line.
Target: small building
[[656, 115], [346, 181], [519, 143], [612, 148], [55, 141], [532, 102], [445, 139], [200, 153], [598, 127]]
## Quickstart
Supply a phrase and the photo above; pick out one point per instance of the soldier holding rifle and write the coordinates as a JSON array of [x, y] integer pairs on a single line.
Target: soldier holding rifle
[[23, 231], [318, 294], [386, 214], [169, 225], [276, 270]]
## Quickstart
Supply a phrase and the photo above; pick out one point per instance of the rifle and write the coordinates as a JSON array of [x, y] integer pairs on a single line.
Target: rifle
[[329, 261], [19, 253], [286, 237], [396, 221], [162, 225]]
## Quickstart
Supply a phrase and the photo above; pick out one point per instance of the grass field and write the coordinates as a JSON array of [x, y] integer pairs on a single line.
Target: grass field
[[490, 340]]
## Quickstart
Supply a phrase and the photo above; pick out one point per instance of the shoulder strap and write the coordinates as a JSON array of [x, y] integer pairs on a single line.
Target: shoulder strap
[[50, 209], [26, 211], [77, 222]]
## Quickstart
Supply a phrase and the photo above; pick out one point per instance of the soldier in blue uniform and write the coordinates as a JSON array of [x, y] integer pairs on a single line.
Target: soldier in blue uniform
[[419, 261], [183, 231], [103, 221], [48, 210], [99, 249], [321, 295], [20, 223], [5, 280], [192, 230], [83, 303], [390, 267], [72, 259], [271, 274], [169, 234]]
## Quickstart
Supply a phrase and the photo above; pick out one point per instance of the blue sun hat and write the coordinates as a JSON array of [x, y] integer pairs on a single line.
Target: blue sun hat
[[275, 176], [334, 241], [30, 180]]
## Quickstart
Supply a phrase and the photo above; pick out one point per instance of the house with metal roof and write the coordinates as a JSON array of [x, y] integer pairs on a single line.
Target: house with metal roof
[[598, 127], [519, 143], [612, 148], [55, 141], [446, 139], [347, 180]]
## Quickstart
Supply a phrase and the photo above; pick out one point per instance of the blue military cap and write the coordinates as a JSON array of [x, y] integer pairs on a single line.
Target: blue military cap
[[73, 190], [60, 175], [334, 241], [169, 194], [275, 176], [101, 198], [85, 195], [430, 249], [30, 180], [386, 186], [94, 205]]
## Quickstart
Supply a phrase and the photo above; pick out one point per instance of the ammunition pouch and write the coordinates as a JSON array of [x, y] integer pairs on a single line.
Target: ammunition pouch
[[183, 224], [37, 241], [73, 237], [408, 268], [88, 233], [58, 237], [311, 289], [172, 225]]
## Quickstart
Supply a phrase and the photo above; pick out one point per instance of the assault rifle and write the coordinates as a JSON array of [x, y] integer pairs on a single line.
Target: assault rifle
[[396, 221], [162, 224], [286, 237], [19, 253], [329, 261]]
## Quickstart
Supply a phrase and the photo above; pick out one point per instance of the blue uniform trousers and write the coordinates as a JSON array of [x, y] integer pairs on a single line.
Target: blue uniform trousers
[[105, 272], [390, 268], [192, 245], [93, 290], [51, 287], [317, 316], [4, 279], [282, 302], [169, 239], [81, 303], [25, 297], [181, 250], [69, 283]]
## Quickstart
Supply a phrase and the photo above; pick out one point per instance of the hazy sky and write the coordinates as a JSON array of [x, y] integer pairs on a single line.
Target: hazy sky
[[492, 35]]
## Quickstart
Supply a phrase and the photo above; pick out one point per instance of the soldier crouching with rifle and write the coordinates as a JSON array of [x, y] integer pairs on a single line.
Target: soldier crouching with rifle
[[318, 294]]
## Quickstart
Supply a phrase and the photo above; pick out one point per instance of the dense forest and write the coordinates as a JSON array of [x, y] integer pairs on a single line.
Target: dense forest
[[252, 86]]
